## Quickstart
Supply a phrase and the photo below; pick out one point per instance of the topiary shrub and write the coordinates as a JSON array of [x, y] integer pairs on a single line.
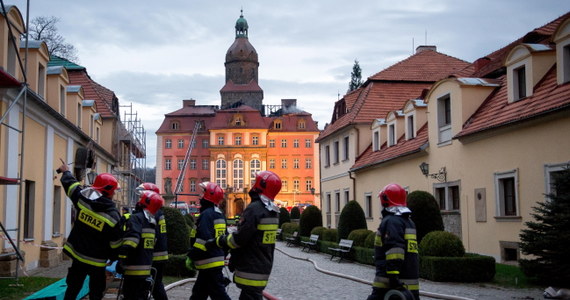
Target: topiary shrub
[[287, 229], [310, 218], [284, 216], [320, 231], [295, 213], [359, 236], [330, 235], [442, 244], [351, 218], [425, 213], [369, 242], [177, 231], [176, 266], [189, 220]]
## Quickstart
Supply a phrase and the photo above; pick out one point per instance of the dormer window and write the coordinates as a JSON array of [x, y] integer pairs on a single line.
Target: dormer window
[[561, 38], [410, 128], [277, 124], [238, 120], [376, 140], [565, 64], [391, 134], [519, 83], [175, 125], [444, 118], [301, 124]]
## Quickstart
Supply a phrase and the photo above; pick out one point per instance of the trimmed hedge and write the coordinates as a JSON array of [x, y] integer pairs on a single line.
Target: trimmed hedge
[[369, 242], [295, 213], [320, 231], [363, 255], [351, 218], [425, 213], [442, 244], [330, 235], [287, 229], [176, 266], [284, 216], [469, 268], [359, 236], [310, 218]]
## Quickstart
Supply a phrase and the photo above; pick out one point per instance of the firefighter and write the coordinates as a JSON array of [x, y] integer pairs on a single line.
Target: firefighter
[[160, 254], [136, 251], [253, 243], [209, 262], [396, 248], [96, 231]]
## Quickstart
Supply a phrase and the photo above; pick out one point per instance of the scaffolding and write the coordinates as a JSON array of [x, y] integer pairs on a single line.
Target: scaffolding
[[133, 158]]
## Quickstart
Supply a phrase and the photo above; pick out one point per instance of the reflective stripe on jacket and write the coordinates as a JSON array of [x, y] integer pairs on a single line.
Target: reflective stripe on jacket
[[138, 245], [210, 224]]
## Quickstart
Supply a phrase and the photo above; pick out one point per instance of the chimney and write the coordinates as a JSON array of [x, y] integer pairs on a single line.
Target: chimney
[[288, 102], [188, 103], [481, 62], [425, 48]]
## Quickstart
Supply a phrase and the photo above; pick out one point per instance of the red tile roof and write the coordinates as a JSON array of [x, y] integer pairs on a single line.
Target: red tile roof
[[251, 117], [402, 148], [230, 86], [93, 91]]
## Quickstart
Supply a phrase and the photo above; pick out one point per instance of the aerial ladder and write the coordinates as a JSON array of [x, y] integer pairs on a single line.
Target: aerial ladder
[[180, 179]]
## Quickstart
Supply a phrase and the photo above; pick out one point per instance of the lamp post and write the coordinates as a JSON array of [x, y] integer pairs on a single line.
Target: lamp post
[[245, 194], [91, 177], [441, 175]]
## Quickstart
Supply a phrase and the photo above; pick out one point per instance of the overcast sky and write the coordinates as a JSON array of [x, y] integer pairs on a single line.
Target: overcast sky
[[154, 54]]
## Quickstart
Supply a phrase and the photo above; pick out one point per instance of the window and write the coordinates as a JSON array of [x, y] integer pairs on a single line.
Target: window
[[79, 115], [255, 140], [346, 148], [444, 118], [346, 197], [308, 184], [308, 143], [506, 194], [284, 185], [295, 143], [301, 124], [41, 80], [271, 143], [519, 82], [220, 140], [308, 163], [368, 205], [168, 143], [337, 202], [327, 156], [376, 141], [254, 167], [283, 143], [277, 124], [328, 210], [295, 163], [193, 144], [205, 164], [565, 63], [175, 125], [56, 225], [192, 164], [284, 164], [551, 172], [272, 163], [168, 164], [447, 195], [180, 143], [62, 100], [296, 184], [221, 173], [237, 140], [410, 131], [391, 135], [336, 155], [238, 174], [180, 164], [91, 125], [192, 185], [205, 143], [29, 205]]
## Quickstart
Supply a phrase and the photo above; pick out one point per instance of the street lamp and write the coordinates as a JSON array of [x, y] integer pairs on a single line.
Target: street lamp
[[441, 175], [91, 177]]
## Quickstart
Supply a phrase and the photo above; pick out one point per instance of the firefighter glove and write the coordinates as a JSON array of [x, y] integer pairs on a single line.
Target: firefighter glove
[[190, 264]]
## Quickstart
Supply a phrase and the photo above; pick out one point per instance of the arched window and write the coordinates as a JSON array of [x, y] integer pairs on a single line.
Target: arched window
[[175, 125], [238, 174], [221, 173]]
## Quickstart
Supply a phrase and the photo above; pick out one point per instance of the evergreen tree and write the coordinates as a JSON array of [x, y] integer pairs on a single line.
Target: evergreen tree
[[284, 216], [310, 218], [351, 218], [547, 239], [295, 213], [425, 213], [355, 77]]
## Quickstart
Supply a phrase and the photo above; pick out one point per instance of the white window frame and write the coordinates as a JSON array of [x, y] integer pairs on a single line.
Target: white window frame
[[444, 125], [410, 126], [180, 143], [376, 140], [308, 163], [346, 148], [448, 201], [221, 173], [499, 193], [517, 89], [368, 205], [336, 152], [168, 144], [548, 170], [168, 164], [391, 134]]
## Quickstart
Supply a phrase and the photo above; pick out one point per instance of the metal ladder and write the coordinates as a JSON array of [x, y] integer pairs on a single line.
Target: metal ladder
[[180, 179]]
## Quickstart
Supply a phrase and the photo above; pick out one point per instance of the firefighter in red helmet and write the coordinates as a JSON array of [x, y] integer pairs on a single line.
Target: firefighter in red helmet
[[160, 255], [253, 243], [396, 247], [209, 262], [137, 247], [96, 231]]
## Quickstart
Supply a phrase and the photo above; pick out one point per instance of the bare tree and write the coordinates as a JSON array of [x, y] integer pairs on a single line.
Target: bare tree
[[45, 29]]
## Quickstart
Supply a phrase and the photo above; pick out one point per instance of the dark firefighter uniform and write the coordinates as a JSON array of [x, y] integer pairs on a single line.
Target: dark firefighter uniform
[[252, 247], [96, 231], [136, 254], [396, 252], [160, 256], [209, 262]]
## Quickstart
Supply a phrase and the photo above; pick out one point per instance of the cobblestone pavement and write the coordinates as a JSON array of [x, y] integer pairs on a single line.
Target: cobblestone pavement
[[298, 279]]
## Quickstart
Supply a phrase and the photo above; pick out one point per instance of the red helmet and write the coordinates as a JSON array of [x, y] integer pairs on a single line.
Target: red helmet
[[147, 186], [151, 201], [212, 192], [393, 195], [267, 183], [106, 184]]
